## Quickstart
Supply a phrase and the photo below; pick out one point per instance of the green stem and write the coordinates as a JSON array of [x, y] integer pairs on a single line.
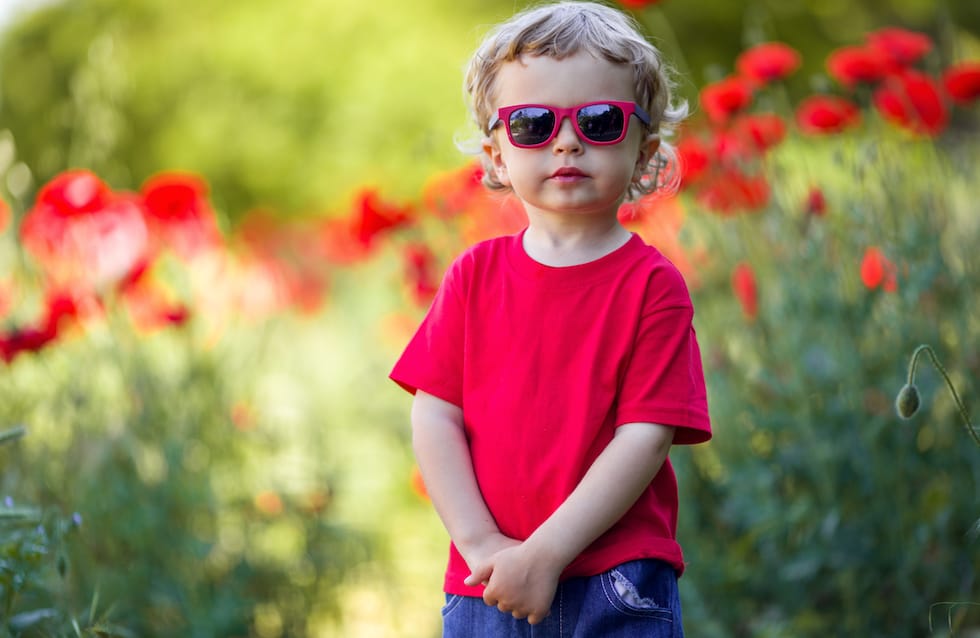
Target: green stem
[[949, 384]]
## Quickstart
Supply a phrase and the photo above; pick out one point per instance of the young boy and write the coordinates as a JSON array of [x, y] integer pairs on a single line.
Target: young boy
[[556, 367]]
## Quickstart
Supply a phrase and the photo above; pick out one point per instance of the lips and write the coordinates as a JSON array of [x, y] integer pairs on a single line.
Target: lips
[[568, 172]]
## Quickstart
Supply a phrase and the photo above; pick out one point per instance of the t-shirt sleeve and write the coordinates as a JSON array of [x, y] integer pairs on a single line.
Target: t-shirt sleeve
[[664, 381], [433, 359]]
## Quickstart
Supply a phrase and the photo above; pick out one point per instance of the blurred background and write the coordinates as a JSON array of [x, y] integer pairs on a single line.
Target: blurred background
[[290, 105], [221, 221]]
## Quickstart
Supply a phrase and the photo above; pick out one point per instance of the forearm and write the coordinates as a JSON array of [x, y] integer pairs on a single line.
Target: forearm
[[444, 459], [608, 490]]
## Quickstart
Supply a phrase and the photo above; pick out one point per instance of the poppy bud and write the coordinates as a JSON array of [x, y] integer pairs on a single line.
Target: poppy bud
[[907, 401]]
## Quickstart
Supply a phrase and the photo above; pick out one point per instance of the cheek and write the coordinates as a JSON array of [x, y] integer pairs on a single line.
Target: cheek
[[511, 162]]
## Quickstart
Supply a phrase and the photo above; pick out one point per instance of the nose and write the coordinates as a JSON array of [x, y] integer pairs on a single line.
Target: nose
[[567, 139]]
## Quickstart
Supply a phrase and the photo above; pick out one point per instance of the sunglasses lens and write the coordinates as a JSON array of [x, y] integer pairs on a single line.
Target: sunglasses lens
[[531, 126], [601, 122]]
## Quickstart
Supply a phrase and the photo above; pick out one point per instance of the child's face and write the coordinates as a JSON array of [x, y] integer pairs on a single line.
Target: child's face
[[568, 175]]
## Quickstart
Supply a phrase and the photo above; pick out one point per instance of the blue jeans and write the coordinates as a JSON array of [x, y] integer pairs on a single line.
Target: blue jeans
[[635, 599]]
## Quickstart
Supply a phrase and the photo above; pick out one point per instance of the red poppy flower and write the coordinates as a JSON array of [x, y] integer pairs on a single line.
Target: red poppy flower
[[637, 4], [372, 217], [74, 192], [816, 203], [745, 289], [19, 341], [454, 192], [353, 238], [731, 190], [695, 158], [826, 114], [482, 214], [723, 99], [659, 220], [729, 147], [913, 101], [84, 234], [762, 131], [856, 64], [962, 82], [60, 309], [877, 270], [493, 217], [421, 273], [768, 62], [900, 47], [179, 215]]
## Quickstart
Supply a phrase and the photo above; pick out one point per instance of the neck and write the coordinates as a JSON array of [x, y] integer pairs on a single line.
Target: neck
[[572, 241]]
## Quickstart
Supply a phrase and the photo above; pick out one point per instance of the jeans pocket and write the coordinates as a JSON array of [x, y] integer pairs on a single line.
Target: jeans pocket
[[452, 602], [634, 593]]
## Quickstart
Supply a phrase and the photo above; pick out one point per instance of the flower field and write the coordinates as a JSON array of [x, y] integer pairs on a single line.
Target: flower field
[[198, 438]]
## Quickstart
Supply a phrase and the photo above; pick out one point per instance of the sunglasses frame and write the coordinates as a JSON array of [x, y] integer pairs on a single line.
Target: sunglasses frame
[[628, 108]]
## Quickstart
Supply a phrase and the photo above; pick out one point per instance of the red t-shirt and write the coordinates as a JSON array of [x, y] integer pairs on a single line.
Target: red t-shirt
[[546, 363]]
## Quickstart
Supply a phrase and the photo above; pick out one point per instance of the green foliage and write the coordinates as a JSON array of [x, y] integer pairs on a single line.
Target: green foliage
[[34, 569], [817, 510], [190, 529]]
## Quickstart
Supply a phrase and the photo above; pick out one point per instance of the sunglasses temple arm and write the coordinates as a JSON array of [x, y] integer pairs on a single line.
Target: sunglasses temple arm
[[642, 114]]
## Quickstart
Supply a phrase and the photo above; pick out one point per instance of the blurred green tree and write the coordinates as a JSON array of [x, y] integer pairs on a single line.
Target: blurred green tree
[[285, 106]]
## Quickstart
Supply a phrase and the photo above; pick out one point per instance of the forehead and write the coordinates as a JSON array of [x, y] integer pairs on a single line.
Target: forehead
[[572, 80]]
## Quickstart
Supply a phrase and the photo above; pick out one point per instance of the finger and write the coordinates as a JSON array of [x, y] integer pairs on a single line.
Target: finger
[[480, 575], [516, 613], [534, 619]]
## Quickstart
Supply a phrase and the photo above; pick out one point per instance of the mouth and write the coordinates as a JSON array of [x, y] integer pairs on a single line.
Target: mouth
[[568, 172]]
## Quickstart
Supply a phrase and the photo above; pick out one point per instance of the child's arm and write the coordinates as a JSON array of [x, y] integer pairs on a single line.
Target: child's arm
[[523, 579], [447, 470]]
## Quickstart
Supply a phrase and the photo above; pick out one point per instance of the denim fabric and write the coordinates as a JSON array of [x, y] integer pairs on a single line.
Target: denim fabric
[[635, 599]]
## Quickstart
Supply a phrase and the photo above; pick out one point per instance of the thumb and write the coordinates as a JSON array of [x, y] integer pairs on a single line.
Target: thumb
[[479, 576]]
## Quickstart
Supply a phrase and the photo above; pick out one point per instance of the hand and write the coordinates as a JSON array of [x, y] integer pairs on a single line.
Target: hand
[[520, 583], [478, 555]]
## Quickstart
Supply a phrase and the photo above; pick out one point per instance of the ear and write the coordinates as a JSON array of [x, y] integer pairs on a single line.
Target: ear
[[497, 163], [648, 146]]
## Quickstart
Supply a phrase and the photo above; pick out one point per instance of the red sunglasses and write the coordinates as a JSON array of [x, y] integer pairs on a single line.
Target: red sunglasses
[[534, 125]]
